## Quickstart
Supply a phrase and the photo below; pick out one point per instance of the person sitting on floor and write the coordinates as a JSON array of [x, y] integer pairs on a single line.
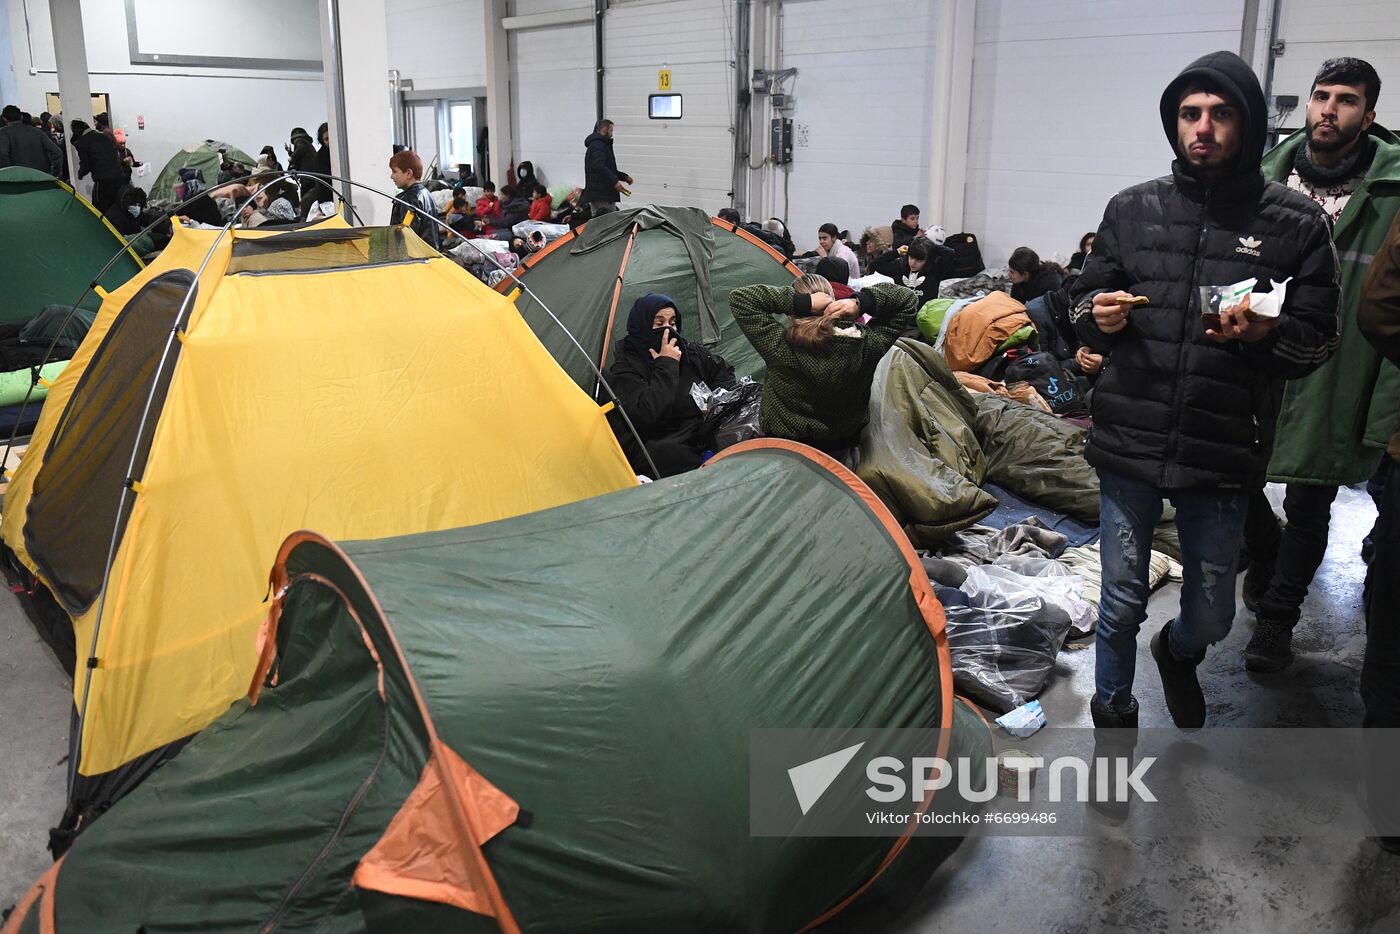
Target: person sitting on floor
[[921, 266], [906, 230], [488, 208], [515, 207], [1030, 278], [653, 371], [125, 213], [542, 207], [1077, 261], [837, 275], [829, 243], [460, 213], [821, 364], [872, 246]]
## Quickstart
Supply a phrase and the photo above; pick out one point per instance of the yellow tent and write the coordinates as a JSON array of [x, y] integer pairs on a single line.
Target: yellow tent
[[349, 380]]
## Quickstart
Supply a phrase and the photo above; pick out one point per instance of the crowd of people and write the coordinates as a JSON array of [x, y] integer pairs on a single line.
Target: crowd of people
[[1193, 402]]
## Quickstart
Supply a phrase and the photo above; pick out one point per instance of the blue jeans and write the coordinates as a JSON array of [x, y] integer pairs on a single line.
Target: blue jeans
[[1211, 524]]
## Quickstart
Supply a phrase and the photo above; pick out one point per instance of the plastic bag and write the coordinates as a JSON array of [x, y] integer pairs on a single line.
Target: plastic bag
[[1216, 299], [703, 396], [732, 415], [1006, 636]]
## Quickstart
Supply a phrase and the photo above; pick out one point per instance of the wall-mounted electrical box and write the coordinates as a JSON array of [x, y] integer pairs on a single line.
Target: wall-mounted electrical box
[[780, 141]]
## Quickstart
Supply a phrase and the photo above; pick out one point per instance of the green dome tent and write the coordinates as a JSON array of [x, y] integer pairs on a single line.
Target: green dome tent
[[203, 156], [55, 242], [543, 724], [591, 277]]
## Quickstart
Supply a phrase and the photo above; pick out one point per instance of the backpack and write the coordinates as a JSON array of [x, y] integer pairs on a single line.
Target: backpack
[[1066, 392], [967, 256]]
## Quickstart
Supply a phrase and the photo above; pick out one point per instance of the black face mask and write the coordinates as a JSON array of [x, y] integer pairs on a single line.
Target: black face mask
[[658, 335]]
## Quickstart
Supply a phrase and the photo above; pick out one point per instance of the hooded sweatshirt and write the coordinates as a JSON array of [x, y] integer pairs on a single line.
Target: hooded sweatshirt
[[1176, 409]]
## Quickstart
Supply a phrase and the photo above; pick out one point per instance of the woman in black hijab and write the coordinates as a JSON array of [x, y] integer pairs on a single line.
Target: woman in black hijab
[[653, 373]]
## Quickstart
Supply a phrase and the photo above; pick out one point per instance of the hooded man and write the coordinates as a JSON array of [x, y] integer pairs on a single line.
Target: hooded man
[[97, 154], [602, 182], [1334, 424], [1187, 410]]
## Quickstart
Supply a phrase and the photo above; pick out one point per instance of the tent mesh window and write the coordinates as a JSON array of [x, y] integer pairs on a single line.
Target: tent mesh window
[[77, 491], [322, 250]]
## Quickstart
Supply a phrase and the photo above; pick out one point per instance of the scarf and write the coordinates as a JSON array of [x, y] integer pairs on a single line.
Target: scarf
[[641, 336], [1354, 165]]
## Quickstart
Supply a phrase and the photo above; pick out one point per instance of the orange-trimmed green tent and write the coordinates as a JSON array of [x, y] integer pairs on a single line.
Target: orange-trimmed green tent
[[53, 243], [590, 277], [544, 724], [346, 379]]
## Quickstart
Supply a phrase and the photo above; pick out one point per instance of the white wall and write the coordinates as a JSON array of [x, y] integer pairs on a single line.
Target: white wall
[[552, 92], [8, 90], [437, 43], [182, 105], [861, 95], [678, 162], [1064, 109]]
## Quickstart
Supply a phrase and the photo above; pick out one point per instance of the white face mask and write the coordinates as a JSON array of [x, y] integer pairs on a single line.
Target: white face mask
[[134, 210]]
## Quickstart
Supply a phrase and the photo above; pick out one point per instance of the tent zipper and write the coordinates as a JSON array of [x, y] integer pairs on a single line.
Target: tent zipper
[[285, 905]]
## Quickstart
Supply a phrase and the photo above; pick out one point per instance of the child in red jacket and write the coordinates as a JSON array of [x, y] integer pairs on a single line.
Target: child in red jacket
[[542, 207], [488, 207]]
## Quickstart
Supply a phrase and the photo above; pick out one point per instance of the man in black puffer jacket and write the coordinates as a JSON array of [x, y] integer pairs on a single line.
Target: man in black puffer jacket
[[1184, 412], [602, 182]]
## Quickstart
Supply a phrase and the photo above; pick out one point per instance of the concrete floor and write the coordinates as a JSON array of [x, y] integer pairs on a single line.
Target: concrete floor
[[1059, 885]]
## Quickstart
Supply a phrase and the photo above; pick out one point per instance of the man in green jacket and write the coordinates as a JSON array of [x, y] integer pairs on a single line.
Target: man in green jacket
[[1333, 424]]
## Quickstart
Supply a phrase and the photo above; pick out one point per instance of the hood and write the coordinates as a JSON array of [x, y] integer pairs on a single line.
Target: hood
[[298, 137], [1239, 84], [596, 137]]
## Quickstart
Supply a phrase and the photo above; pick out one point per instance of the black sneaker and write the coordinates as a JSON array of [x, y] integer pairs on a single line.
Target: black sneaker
[[1256, 583], [1270, 649], [1185, 702]]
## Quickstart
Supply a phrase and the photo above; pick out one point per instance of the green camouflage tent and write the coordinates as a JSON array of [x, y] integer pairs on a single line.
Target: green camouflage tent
[[203, 156], [542, 724], [591, 277], [54, 243]]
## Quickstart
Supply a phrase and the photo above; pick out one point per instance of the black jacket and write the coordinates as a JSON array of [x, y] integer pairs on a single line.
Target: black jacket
[[29, 146], [97, 153], [1040, 282], [1176, 409], [303, 155], [423, 213], [656, 397], [514, 211], [600, 172], [901, 235], [891, 264]]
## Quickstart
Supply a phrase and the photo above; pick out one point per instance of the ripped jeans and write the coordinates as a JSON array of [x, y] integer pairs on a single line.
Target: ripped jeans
[[1211, 524]]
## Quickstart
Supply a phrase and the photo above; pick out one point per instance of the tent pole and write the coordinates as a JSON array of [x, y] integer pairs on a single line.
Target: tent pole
[[612, 308], [75, 742]]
